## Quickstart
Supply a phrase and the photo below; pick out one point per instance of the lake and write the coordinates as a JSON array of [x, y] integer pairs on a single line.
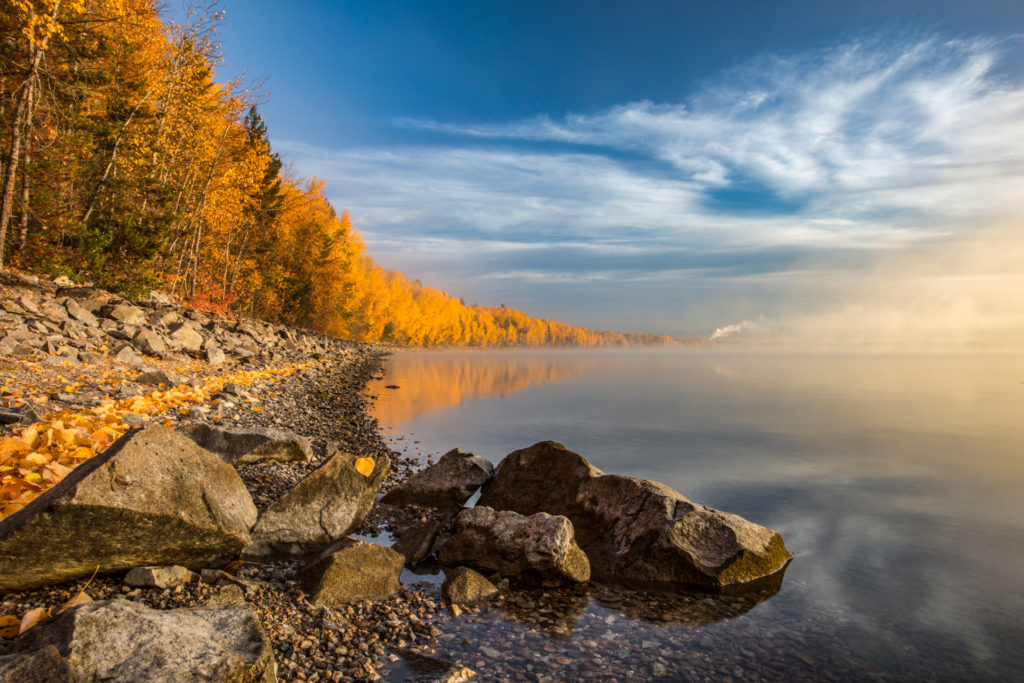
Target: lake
[[895, 480]]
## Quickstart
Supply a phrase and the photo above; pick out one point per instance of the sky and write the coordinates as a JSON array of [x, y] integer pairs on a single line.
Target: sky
[[670, 167]]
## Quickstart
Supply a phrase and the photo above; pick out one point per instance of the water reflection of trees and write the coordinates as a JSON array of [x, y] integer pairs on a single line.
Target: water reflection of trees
[[431, 381]]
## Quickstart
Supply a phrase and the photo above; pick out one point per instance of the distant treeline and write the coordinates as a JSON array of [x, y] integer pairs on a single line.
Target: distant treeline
[[124, 163]]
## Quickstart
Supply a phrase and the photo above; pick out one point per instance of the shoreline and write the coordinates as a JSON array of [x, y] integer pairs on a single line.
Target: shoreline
[[324, 403], [328, 399]]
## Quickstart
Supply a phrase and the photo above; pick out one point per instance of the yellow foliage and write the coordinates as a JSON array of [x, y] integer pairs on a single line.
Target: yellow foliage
[[38, 456]]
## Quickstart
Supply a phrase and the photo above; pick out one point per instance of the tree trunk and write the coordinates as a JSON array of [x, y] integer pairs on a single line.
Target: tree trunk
[[25, 179], [18, 133], [17, 139]]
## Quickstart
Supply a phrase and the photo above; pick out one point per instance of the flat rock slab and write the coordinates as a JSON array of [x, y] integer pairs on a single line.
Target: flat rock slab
[[119, 640], [152, 498], [322, 509], [351, 571], [447, 484], [241, 447], [538, 549], [637, 531]]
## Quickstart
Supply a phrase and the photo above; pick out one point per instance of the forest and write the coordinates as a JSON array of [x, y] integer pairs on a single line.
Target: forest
[[126, 164]]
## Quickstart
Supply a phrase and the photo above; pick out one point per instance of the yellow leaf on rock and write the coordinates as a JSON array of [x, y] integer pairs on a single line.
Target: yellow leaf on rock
[[364, 466], [33, 617], [9, 626]]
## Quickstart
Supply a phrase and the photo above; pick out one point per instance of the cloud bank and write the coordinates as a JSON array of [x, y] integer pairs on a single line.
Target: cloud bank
[[777, 184]]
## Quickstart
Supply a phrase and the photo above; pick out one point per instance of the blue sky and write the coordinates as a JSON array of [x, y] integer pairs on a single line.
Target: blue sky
[[670, 167]]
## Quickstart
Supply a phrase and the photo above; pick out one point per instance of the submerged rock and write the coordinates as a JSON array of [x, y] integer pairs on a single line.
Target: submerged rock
[[536, 549], [323, 508], [638, 531], [152, 498], [119, 640], [447, 484], [421, 668], [351, 571], [463, 586]]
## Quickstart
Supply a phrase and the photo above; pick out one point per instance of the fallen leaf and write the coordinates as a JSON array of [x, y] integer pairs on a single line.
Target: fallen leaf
[[364, 466], [80, 599], [36, 459], [9, 626], [33, 617]]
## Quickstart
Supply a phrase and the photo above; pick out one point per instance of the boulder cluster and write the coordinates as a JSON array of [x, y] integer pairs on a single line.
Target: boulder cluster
[[160, 507], [75, 324], [548, 517]]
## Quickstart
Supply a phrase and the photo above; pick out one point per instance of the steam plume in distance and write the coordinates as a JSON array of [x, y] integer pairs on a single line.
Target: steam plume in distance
[[722, 332], [962, 291]]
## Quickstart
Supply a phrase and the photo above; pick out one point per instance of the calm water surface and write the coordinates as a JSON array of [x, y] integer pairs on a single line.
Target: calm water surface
[[897, 481]]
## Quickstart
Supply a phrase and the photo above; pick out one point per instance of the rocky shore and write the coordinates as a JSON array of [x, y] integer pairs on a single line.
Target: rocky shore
[[243, 491]]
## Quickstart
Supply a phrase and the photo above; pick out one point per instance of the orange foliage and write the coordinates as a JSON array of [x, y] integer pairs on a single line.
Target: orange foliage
[[147, 172]]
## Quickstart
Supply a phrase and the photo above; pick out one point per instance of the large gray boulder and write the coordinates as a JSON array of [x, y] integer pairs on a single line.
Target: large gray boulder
[[637, 531], [149, 342], [350, 571], [323, 508], [125, 313], [152, 498], [240, 447], [184, 336], [538, 549], [214, 354], [80, 313], [447, 484], [119, 640]]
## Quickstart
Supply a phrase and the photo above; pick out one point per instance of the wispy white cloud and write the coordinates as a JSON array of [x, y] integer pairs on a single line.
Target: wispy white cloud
[[869, 145]]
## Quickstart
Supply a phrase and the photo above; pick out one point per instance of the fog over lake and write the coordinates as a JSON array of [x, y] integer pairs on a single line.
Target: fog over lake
[[894, 479]]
